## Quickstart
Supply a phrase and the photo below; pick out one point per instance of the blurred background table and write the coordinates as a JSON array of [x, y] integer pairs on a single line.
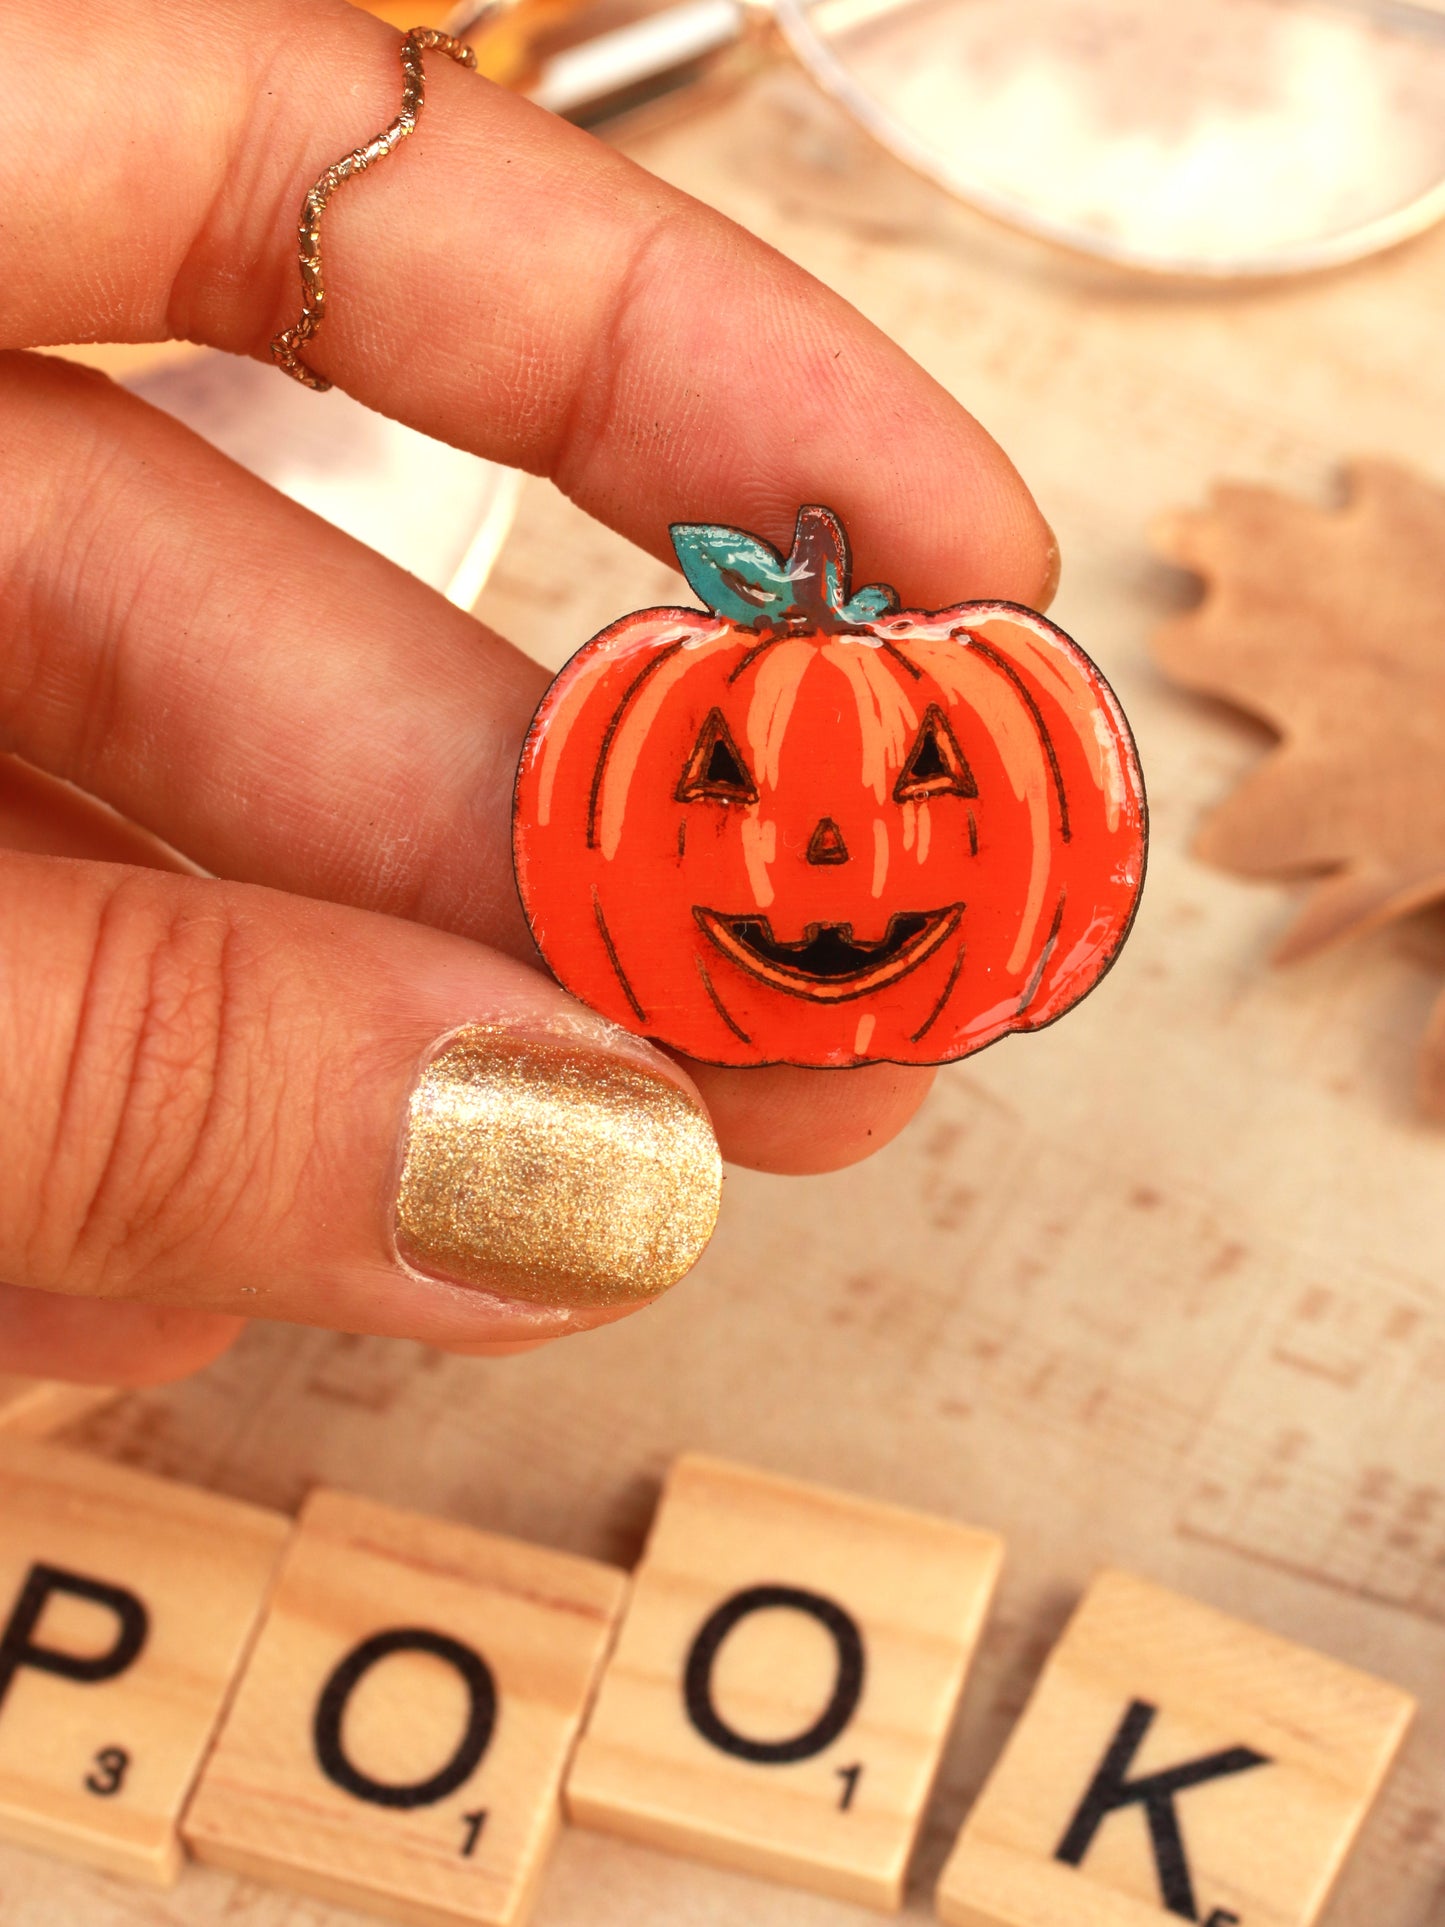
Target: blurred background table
[[1163, 1286]]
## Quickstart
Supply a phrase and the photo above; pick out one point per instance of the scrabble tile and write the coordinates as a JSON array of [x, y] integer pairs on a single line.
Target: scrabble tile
[[398, 1741], [1173, 1764], [784, 1680], [32, 1408], [126, 1604]]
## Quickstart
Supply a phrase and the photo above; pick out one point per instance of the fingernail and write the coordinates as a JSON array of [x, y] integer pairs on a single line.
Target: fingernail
[[542, 1168], [1053, 566]]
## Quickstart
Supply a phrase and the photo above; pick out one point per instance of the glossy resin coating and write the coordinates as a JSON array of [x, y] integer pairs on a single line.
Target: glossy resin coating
[[806, 826]]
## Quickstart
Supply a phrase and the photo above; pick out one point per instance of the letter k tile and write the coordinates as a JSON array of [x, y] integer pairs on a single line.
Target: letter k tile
[[1174, 1764]]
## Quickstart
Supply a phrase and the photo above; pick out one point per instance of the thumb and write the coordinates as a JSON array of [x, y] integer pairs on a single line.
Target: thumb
[[221, 1097]]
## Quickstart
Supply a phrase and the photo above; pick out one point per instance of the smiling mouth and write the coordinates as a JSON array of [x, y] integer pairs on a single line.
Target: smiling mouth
[[827, 963]]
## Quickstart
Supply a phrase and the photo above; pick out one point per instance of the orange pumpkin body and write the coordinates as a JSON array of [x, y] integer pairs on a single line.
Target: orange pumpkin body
[[814, 841]]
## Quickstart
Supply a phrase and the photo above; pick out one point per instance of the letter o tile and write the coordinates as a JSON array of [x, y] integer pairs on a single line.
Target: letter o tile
[[398, 1741], [784, 1680]]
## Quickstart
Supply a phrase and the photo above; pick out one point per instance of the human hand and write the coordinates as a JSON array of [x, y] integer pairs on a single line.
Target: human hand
[[206, 1077]]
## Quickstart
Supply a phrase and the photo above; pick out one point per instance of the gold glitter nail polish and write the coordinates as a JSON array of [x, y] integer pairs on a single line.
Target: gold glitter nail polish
[[543, 1168]]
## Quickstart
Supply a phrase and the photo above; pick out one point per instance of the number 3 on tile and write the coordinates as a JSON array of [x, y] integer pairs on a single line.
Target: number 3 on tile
[[107, 1772]]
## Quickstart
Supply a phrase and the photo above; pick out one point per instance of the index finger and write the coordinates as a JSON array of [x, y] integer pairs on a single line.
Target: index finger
[[505, 283]]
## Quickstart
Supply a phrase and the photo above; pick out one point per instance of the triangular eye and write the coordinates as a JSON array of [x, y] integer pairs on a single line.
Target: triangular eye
[[715, 768], [936, 765]]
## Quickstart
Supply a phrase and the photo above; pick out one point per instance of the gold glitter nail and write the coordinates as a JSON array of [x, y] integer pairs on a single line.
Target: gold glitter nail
[[544, 1169]]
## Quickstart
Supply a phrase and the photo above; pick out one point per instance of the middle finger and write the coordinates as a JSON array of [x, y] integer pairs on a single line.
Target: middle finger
[[223, 667], [289, 708]]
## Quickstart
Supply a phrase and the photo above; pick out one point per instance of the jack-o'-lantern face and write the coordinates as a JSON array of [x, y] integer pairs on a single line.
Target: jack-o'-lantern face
[[810, 828]]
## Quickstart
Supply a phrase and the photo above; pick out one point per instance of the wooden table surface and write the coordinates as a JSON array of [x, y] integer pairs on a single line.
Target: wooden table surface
[[1163, 1286]]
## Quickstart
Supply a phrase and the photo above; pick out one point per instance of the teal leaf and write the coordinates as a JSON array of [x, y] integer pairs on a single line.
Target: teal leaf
[[740, 578], [746, 581], [870, 603]]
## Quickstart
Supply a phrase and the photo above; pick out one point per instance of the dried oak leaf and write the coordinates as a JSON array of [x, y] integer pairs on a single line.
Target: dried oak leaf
[[1330, 627]]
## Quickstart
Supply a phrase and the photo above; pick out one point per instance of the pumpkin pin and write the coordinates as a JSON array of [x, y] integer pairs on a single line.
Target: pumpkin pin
[[803, 825]]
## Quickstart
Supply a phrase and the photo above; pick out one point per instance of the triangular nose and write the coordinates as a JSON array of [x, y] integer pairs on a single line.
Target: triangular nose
[[826, 844]]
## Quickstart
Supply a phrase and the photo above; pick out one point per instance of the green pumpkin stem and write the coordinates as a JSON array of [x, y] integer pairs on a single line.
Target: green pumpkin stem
[[745, 581]]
